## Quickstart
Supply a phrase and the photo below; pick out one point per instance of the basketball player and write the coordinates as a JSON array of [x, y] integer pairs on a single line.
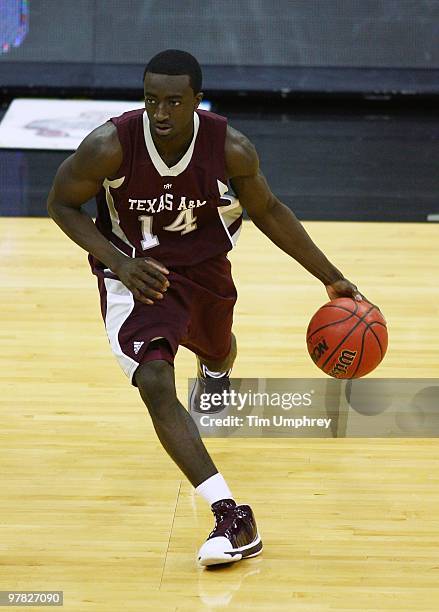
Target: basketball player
[[159, 250]]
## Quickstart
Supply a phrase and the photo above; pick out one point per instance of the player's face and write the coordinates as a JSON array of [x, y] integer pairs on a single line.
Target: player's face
[[170, 103]]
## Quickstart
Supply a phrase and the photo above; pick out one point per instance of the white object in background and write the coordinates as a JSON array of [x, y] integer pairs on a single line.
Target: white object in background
[[38, 123]]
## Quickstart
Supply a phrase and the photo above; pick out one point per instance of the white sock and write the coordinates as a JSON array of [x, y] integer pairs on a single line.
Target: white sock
[[213, 489]]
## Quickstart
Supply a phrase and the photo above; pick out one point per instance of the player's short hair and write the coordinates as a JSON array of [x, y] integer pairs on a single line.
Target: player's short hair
[[173, 61]]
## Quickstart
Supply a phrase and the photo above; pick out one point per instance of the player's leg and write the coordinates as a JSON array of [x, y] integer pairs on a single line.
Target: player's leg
[[220, 366], [213, 378], [174, 426], [235, 535], [211, 337], [137, 336], [131, 333]]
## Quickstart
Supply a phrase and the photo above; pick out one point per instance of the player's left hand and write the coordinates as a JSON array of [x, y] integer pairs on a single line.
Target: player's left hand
[[344, 288]]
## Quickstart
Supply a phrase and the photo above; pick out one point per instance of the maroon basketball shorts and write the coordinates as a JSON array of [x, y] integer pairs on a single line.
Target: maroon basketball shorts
[[196, 312]]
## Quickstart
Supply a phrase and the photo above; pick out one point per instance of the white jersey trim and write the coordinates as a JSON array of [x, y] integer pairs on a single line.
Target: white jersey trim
[[228, 215], [158, 162], [222, 188], [114, 215]]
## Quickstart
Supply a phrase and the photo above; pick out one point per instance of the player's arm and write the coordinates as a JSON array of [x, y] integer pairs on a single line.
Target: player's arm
[[78, 179], [275, 219]]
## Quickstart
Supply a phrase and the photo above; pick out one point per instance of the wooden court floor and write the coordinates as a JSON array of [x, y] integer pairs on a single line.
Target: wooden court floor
[[91, 505]]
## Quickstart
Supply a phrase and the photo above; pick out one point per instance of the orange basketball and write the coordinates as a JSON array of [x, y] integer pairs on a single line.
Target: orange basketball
[[346, 338]]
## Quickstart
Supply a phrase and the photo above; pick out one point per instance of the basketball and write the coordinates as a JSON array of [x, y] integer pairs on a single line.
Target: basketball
[[347, 338]]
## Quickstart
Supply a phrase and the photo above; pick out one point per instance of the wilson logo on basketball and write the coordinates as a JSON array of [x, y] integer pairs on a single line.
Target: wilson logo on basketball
[[347, 338], [344, 361], [318, 350]]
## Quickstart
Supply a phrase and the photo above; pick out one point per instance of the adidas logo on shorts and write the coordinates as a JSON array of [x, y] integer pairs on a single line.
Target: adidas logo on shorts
[[137, 346]]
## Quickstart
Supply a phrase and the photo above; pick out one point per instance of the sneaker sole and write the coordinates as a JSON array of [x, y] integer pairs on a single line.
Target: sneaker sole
[[216, 555]]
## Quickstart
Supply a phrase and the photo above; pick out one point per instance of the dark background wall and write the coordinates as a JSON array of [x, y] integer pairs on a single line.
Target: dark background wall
[[368, 41], [345, 33], [340, 97]]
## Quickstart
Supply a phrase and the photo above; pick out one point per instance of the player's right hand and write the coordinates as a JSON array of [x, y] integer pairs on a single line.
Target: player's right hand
[[144, 277]]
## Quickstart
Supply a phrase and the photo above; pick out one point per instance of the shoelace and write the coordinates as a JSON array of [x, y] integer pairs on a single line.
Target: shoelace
[[240, 513], [221, 512]]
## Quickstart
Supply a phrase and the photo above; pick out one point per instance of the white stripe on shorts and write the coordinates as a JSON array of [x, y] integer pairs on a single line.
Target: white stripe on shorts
[[120, 303]]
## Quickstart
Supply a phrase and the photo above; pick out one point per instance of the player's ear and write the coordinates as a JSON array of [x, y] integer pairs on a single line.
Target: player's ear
[[198, 99]]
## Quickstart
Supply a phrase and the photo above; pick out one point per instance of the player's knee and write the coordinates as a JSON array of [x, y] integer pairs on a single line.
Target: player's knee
[[225, 363], [230, 358], [155, 380]]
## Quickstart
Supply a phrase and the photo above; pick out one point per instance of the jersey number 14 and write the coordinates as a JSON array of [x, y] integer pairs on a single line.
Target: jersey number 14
[[184, 223]]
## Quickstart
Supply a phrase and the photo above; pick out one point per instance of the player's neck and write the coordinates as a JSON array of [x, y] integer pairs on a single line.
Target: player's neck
[[172, 150]]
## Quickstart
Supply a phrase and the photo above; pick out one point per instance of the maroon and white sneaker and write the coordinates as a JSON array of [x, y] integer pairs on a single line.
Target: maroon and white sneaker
[[234, 537]]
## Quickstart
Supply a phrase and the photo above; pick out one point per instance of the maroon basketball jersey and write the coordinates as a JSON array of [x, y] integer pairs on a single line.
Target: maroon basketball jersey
[[180, 216]]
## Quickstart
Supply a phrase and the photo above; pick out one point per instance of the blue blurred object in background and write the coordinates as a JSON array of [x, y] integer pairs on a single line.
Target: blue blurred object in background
[[14, 23]]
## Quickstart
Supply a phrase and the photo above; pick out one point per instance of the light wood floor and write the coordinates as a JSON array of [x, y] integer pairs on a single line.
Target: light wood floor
[[90, 504]]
